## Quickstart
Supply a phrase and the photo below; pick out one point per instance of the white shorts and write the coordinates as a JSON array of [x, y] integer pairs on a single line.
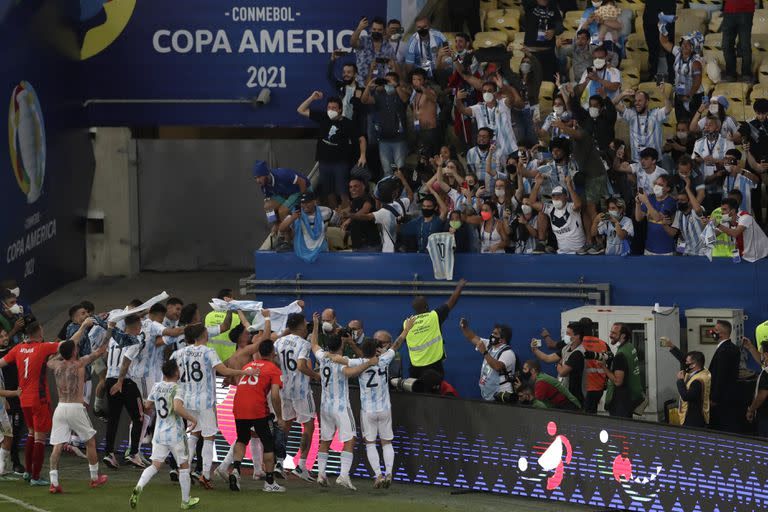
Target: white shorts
[[68, 418], [87, 388], [377, 424], [206, 422], [302, 410], [344, 422], [6, 429], [179, 450]]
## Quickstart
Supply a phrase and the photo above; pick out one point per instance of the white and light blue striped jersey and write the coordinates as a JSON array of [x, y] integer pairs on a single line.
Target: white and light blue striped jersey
[[152, 330], [181, 342], [290, 349], [198, 378], [374, 383], [690, 227], [743, 185], [169, 429], [441, 247], [115, 355], [334, 384], [645, 130]]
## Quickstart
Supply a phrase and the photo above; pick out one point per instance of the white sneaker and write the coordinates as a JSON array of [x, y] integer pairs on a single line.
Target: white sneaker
[[302, 473], [344, 481], [221, 472], [322, 480], [274, 487], [234, 481]]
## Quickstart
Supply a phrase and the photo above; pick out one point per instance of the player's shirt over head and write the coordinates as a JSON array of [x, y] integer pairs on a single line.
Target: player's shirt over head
[[198, 378], [169, 429], [250, 401], [334, 385], [374, 383], [290, 350], [30, 360]]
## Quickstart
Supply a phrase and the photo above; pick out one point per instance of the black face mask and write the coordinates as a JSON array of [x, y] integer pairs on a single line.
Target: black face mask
[[493, 339], [349, 81], [483, 147], [427, 212], [683, 207], [689, 368], [525, 376], [377, 36], [423, 32], [511, 168]]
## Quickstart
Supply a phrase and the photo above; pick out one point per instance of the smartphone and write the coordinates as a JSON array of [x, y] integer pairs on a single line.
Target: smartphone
[[444, 44], [380, 81], [340, 52], [640, 190]]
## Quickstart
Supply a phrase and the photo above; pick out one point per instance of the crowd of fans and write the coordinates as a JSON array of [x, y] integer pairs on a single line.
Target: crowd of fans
[[423, 134]]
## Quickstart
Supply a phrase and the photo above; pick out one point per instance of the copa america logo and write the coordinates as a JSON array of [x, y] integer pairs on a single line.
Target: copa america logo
[[26, 137]]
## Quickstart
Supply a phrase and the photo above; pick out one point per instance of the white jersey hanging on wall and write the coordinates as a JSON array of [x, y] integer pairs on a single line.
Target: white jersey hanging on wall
[[441, 247]]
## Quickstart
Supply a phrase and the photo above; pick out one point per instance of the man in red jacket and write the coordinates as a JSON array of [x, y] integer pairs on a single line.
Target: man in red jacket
[[737, 20]]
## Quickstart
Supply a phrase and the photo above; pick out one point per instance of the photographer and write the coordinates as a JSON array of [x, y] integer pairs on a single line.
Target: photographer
[[389, 98], [11, 317], [693, 385], [616, 227], [375, 57], [499, 359]]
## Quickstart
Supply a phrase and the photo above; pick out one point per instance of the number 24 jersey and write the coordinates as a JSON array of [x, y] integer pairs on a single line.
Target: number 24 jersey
[[170, 426]]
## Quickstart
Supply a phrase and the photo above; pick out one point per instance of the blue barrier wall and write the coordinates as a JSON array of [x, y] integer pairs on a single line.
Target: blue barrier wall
[[685, 282]]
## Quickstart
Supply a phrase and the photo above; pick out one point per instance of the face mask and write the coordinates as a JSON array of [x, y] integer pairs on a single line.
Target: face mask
[[511, 168], [725, 219], [377, 36], [423, 32], [526, 209], [525, 68], [389, 89], [614, 213], [486, 215], [689, 368], [597, 4], [332, 114], [455, 224], [599, 63], [558, 204], [327, 327], [682, 135], [493, 339], [683, 207], [566, 339], [714, 108], [500, 192], [483, 147], [488, 97], [594, 112], [525, 375], [658, 190], [16, 309], [558, 110], [427, 212], [396, 36], [15, 291]]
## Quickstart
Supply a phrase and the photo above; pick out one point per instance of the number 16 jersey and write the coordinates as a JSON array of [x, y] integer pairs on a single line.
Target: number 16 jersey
[[198, 377], [290, 349], [170, 426]]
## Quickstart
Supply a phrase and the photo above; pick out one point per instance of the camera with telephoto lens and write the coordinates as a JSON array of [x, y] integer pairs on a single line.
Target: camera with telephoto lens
[[409, 385], [345, 332]]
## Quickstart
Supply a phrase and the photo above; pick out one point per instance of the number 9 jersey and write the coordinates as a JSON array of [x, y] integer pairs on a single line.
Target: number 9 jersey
[[169, 430]]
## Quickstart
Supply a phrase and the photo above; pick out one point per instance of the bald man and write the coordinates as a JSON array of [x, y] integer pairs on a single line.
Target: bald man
[[384, 340]]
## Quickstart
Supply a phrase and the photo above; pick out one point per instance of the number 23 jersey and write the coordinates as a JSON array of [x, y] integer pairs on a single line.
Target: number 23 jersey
[[290, 349], [198, 377], [170, 426]]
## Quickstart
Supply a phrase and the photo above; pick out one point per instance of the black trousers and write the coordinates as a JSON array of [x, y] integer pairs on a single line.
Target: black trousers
[[461, 11], [16, 418], [130, 399], [591, 401], [651, 30], [417, 372]]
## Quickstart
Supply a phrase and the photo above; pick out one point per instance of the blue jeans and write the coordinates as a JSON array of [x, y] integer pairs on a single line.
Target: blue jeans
[[737, 24], [392, 153]]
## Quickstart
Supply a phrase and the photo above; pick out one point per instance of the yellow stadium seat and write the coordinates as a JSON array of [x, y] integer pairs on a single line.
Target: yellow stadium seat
[[715, 21], [637, 6], [488, 5], [690, 20], [760, 22], [713, 42], [658, 97], [669, 127], [490, 39], [707, 83], [510, 3], [630, 74], [503, 20], [758, 91], [572, 20], [546, 97], [737, 94], [762, 73], [637, 50]]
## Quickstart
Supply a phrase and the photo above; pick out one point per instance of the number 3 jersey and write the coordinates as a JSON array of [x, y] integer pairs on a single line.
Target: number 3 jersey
[[290, 349], [169, 429], [374, 384], [198, 378], [335, 385]]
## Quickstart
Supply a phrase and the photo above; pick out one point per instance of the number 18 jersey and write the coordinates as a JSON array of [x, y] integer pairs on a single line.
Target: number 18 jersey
[[290, 349], [170, 426], [198, 378]]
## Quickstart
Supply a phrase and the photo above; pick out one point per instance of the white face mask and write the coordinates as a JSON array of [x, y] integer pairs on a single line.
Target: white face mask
[[558, 110], [682, 135], [714, 108], [332, 114], [526, 209], [658, 190], [525, 67], [597, 4], [16, 309], [500, 192], [15, 292], [567, 339], [327, 327], [488, 97], [725, 219], [594, 112], [396, 36], [599, 63], [614, 213], [557, 203]]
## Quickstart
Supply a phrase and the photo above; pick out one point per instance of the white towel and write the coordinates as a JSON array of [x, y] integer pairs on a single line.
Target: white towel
[[277, 317], [234, 305], [116, 316]]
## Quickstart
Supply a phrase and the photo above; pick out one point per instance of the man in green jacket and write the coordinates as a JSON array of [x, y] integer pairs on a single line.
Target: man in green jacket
[[625, 387]]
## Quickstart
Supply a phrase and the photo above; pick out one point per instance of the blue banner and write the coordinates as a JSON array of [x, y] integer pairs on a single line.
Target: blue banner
[[204, 62]]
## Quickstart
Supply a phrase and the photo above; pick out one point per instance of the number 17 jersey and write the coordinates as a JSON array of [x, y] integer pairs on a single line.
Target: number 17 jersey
[[170, 426], [290, 350]]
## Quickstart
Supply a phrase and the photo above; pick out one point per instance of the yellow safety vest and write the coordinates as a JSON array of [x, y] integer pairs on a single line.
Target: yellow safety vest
[[724, 245], [706, 383], [217, 318], [425, 340], [761, 335]]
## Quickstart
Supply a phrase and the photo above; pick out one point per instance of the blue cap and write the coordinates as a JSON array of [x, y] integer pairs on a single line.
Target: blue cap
[[260, 168]]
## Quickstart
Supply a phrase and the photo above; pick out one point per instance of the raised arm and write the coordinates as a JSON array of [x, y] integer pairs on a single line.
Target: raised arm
[[227, 323], [406, 329], [304, 107], [456, 294], [99, 352], [459, 102], [354, 41], [574, 195], [357, 370], [468, 333], [81, 331], [367, 97]]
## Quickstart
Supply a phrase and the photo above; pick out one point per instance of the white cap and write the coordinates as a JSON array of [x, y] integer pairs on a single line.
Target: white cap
[[558, 190]]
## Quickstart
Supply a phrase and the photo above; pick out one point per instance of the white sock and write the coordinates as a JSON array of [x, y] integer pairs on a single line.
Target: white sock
[[373, 458], [229, 458], [94, 469], [257, 454], [346, 463], [389, 457], [322, 460], [192, 447], [54, 477], [185, 482], [207, 458], [147, 475], [303, 463], [4, 454]]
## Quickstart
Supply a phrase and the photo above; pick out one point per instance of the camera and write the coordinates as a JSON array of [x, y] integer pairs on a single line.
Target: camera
[[345, 332], [380, 81], [605, 216], [409, 385]]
